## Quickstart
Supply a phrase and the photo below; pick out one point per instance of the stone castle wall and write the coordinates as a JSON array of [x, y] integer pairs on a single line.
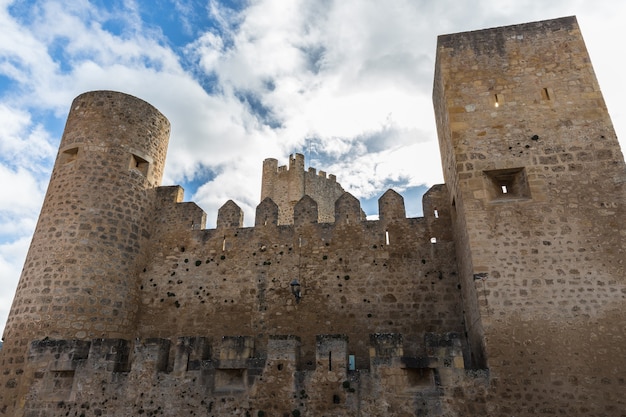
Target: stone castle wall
[[356, 279], [506, 298], [200, 376]]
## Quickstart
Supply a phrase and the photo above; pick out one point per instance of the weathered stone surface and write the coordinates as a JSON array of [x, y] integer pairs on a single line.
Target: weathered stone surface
[[506, 298], [540, 260]]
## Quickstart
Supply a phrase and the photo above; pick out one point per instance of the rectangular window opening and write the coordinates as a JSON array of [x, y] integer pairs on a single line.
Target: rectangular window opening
[[436, 214], [140, 164], [351, 363], [386, 237], [330, 361], [68, 156], [507, 184]]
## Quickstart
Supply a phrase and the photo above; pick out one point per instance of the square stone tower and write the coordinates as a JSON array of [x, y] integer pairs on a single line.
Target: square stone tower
[[536, 181], [286, 185]]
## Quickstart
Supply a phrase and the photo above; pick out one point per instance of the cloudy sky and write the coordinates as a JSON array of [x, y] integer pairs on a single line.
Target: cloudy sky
[[346, 82]]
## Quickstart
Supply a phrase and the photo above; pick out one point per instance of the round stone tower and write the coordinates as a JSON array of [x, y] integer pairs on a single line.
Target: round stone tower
[[79, 278]]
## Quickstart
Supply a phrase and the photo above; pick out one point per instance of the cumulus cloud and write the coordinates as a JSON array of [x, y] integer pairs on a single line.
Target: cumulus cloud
[[329, 77]]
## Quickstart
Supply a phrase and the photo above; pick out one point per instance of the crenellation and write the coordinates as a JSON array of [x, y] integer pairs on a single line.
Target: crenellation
[[391, 206], [150, 356], [235, 370], [348, 210], [266, 213], [288, 185], [128, 305], [229, 215], [305, 211]]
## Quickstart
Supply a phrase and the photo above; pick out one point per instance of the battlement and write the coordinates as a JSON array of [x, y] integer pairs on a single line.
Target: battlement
[[287, 185], [490, 41], [199, 370], [306, 211], [194, 353]]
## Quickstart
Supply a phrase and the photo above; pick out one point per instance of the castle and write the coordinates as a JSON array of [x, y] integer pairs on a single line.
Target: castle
[[507, 298]]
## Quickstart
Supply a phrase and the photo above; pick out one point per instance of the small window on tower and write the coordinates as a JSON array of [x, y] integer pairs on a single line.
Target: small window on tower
[[507, 184], [547, 94], [498, 100], [140, 164], [68, 156]]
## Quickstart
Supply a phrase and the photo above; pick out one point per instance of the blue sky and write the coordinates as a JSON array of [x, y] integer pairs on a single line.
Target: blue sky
[[348, 83]]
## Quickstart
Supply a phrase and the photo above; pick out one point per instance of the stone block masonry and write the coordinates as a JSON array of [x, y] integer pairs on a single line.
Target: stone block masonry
[[506, 298], [536, 181], [287, 185]]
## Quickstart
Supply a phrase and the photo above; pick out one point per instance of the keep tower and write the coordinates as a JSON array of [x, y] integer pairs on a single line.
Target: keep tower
[[285, 186], [80, 276], [536, 180]]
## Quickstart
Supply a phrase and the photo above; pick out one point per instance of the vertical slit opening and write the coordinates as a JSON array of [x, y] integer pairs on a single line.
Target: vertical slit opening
[[547, 94], [386, 237], [330, 361]]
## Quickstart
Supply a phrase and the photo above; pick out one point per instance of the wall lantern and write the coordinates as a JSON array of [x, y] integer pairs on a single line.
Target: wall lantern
[[295, 290]]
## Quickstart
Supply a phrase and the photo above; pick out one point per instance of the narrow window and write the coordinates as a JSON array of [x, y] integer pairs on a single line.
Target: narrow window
[[504, 189], [140, 164], [351, 363], [68, 156], [387, 237], [547, 94], [436, 214], [498, 100], [224, 244], [330, 361], [433, 240]]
